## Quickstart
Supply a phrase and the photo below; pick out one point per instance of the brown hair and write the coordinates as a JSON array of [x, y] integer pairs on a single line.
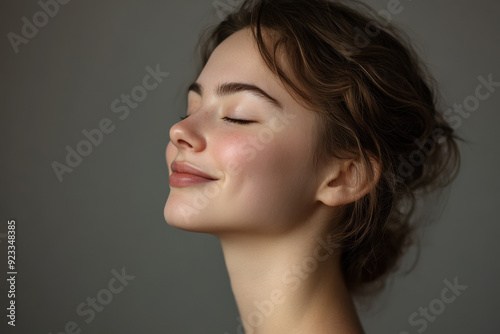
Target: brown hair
[[375, 100]]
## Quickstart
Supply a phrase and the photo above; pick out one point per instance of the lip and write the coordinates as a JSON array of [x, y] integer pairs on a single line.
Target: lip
[[185, 167], [184, 174]]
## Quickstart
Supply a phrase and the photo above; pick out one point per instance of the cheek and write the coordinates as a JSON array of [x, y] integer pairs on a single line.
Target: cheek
[[234, 152], [266, 161], [272, 181]]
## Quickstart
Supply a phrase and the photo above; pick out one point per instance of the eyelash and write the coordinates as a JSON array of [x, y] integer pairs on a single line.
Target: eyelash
[[227, 119]]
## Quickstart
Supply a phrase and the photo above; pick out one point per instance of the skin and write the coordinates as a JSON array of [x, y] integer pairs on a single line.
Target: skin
[[270, 206]]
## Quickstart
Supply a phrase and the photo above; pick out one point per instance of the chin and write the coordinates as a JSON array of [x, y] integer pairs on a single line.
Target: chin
[[177, 216], [183, 217]]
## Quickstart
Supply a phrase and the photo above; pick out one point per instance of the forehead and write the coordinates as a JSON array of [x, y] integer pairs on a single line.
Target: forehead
[[237, 59]]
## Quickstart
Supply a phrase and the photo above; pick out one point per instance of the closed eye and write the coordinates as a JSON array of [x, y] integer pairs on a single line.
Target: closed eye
[[227, 119], [237, 121]]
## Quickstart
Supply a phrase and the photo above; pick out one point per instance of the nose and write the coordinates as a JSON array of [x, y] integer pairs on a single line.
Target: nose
[[186, 135]]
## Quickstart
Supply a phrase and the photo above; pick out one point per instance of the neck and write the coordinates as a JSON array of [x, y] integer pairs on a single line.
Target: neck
[[289, 283]]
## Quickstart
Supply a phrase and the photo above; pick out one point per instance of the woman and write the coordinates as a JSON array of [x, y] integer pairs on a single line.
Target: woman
[[303, 149]]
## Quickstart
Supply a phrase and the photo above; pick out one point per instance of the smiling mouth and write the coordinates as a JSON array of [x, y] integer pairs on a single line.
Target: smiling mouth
[[185, 174], [184, 180]]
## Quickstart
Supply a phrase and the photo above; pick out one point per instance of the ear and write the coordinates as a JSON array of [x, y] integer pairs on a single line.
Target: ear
[[345, 181]]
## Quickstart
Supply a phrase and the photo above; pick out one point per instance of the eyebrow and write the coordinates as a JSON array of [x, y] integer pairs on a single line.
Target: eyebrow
[[229, 88]]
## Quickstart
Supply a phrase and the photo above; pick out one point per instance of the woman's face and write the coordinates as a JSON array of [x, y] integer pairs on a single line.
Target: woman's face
[[264, 180]]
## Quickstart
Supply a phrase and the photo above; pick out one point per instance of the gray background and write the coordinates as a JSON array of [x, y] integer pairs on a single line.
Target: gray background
[[108, 213]]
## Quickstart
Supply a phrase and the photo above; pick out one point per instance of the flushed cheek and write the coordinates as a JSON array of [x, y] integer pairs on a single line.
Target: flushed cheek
[[234, 153], [257, 156], [259, 173]]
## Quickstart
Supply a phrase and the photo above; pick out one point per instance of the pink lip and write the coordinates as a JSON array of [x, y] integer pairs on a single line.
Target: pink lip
[[185, 174]]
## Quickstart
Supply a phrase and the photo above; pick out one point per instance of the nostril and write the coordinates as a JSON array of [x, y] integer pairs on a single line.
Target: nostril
[[183, 142]]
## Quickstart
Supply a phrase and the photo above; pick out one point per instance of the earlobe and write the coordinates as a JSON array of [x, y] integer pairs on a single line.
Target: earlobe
[[347, 180]]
